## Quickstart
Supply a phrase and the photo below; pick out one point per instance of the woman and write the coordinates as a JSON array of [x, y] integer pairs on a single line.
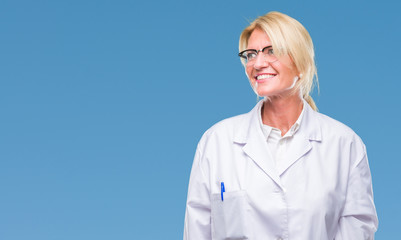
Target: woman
[[283, 170]]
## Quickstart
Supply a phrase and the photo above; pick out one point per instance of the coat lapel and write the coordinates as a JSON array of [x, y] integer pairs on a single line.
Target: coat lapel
[[257, 150], [299, 147], [254, 143], [250, 134], [309, 130]]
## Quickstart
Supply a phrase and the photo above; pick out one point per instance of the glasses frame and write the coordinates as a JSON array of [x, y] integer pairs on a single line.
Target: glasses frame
[[257, 52]]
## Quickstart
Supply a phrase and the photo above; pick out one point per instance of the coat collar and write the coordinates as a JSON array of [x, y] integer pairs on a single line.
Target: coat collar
[[250, 135], [309, 127]]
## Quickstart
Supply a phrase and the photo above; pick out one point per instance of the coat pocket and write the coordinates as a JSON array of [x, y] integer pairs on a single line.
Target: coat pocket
[[230, 217]]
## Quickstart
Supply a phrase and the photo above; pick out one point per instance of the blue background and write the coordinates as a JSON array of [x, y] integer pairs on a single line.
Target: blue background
[[103, 102]]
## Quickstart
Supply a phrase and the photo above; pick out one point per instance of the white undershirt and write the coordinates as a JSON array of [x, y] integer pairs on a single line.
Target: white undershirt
[[276, 143]]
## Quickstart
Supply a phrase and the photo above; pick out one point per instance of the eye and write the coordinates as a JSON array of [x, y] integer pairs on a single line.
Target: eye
[[268, 51], [250, 55]]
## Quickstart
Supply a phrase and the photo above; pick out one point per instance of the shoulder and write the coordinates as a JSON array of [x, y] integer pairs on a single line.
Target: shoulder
[[225, 133], [225, 128], [334, 130], [333, 124]]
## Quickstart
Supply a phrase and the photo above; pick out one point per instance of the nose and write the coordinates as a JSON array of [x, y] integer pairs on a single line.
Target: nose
[[260, 62]]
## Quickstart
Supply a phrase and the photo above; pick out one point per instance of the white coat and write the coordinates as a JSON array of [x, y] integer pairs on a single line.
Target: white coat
[[322, 191]]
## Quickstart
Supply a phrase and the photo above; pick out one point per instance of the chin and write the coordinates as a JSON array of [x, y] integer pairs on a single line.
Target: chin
[[271, 93], [264, 93]]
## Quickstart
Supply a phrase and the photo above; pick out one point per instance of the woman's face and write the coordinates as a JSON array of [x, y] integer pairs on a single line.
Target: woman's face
[[270, 79]]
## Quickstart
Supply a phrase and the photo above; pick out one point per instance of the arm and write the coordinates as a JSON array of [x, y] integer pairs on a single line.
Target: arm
[[359, 219], [197, 216]]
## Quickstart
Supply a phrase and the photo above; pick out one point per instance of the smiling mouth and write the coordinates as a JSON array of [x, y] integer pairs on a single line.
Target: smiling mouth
[[264, 76]]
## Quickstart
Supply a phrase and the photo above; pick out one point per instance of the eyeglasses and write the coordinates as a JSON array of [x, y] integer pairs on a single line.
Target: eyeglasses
[[250, 55]]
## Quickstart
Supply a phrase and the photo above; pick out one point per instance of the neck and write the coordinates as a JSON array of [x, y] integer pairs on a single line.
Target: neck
[[282, 112]]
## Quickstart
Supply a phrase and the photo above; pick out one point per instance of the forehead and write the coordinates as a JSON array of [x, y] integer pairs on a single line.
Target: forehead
[[258, 39]]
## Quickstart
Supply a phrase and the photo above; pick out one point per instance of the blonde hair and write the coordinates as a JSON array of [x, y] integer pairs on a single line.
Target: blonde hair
[[288, 37]]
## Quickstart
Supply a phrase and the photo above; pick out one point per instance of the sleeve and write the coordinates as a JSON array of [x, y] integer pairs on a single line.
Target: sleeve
[[359, 219], [197, 224]]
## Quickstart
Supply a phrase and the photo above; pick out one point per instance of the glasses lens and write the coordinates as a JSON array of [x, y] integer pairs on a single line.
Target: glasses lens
[[249, 55], [269, 54]]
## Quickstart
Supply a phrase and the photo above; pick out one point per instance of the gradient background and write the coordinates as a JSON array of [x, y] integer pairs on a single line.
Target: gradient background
[[103, 102]]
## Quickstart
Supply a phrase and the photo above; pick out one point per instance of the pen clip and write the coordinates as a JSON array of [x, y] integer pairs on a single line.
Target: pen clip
[[222, 191]]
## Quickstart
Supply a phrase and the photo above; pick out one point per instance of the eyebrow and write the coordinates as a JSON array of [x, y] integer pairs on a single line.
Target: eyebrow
[[269, 46]]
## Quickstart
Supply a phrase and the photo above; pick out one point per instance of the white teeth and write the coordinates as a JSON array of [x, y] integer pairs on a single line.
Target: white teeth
[[264, 76]]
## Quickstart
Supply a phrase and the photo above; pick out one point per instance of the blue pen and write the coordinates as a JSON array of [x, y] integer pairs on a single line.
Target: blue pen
[[222, 191]]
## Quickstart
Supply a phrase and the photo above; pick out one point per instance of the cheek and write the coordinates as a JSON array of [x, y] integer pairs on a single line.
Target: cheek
[[287, 67], [286, 72], [248, 71]]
